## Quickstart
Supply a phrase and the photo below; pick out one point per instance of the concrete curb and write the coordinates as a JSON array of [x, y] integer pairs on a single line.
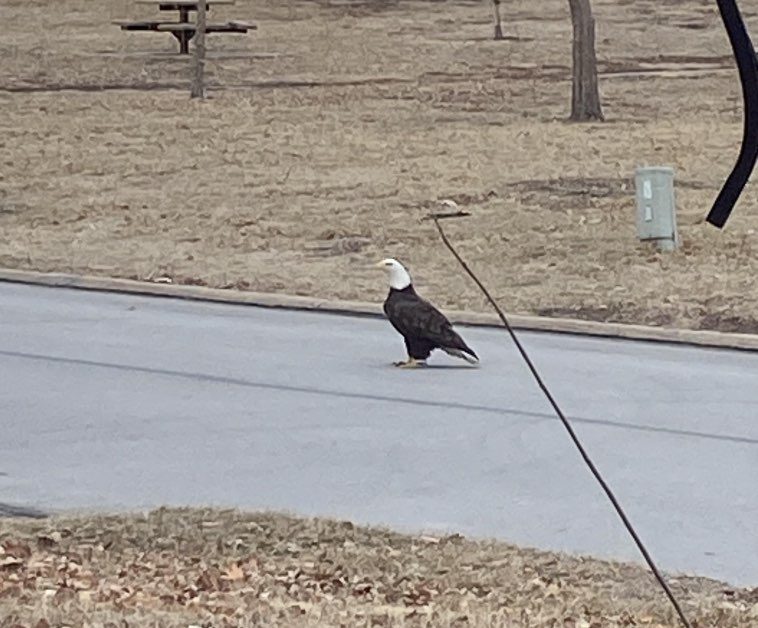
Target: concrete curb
[[746, 342]]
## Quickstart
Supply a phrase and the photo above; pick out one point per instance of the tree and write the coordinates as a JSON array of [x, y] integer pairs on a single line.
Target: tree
[[585, 97], [198, 82], [498, 26]]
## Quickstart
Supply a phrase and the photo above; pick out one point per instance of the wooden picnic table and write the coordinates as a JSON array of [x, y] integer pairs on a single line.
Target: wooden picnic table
[[183, 6], [184, 29]]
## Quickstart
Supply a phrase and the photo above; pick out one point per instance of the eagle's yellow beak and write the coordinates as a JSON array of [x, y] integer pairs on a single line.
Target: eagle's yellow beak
[[378, 265]]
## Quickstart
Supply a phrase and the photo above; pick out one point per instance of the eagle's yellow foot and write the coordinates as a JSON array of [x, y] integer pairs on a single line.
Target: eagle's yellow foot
[[410, 363]]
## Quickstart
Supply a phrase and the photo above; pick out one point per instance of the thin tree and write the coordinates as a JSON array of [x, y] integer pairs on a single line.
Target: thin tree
[[585, 97], [498, 24], [198, 82]]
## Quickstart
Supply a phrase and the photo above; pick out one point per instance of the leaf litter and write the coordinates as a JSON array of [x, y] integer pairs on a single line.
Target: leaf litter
[[209, 567]]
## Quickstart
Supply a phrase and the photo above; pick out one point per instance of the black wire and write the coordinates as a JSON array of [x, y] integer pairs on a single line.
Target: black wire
[[747, 65], [567, 425]]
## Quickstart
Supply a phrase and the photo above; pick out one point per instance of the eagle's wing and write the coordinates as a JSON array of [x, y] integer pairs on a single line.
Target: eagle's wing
[[418, 319]]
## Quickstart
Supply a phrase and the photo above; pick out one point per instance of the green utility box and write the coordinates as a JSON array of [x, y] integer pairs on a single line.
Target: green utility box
[[656, 206]]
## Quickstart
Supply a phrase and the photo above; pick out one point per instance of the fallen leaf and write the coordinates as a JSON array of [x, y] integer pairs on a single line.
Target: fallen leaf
[[63, 594], [10, 562], [17, 549], [85, 596], [234, 573], [48, 540]]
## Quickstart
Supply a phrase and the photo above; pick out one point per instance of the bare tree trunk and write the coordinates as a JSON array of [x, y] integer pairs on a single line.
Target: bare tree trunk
[[585, 97], [498, 26], [198, 83]]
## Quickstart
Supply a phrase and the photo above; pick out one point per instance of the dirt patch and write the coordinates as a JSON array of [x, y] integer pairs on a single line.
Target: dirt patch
[[181, 567], [335, 126]]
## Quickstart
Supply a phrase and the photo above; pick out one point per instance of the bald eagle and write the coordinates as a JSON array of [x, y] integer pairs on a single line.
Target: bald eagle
[[422, 325]]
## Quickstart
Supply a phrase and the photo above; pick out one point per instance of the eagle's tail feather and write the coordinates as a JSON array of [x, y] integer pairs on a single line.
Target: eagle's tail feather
[[471, 359]]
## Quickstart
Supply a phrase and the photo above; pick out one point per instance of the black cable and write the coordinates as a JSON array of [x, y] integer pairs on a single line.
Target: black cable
[[564, 420], [744, 55]]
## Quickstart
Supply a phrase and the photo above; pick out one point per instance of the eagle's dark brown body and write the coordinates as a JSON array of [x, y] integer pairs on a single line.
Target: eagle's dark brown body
[[423, 326]]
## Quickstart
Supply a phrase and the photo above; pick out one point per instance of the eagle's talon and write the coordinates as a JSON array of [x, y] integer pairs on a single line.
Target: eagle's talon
[[410, 364]]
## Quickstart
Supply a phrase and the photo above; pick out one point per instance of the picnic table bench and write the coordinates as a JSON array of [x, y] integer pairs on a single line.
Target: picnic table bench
[[183, 30]]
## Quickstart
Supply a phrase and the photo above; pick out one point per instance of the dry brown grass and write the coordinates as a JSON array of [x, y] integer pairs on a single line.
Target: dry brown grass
[[181, 567], [330, 133], [334, 127]]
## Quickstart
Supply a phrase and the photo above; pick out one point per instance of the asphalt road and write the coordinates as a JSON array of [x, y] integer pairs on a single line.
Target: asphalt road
[[121, 402]]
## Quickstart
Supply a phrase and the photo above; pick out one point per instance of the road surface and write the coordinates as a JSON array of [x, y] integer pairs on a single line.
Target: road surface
[[117, 402]]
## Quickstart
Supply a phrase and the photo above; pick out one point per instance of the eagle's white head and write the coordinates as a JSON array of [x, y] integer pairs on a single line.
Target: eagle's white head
[[398, 276]]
